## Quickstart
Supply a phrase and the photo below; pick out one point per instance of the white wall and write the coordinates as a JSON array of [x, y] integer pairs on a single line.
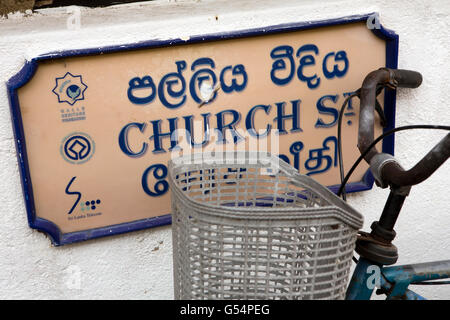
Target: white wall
[[139, 264]]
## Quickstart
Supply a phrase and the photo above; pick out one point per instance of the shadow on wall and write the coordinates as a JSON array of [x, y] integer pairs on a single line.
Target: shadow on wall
[[7, 6]]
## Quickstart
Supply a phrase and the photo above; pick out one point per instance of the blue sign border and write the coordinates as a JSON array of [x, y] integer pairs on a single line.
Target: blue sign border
[[27, 72]]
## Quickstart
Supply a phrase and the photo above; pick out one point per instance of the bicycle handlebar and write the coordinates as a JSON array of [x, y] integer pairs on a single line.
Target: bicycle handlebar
[[383, 76], [393, 173], [386, 169], [406, 78]]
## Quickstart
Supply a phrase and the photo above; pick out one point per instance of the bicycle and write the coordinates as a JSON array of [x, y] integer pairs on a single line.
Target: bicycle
[[249, 226], [376, 250]]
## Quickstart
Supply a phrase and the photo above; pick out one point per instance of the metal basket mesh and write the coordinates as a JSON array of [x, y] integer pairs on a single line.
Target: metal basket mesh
[[257, 229]]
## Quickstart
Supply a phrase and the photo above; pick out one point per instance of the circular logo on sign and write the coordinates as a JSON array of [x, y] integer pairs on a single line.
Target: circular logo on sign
[[73, 91], [77, 148]]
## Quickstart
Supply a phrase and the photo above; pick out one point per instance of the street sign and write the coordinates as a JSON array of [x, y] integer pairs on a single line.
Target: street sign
[[95, 128]]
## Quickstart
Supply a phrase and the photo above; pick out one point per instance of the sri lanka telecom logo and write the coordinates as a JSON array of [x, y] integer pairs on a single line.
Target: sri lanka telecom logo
[[69, 88]]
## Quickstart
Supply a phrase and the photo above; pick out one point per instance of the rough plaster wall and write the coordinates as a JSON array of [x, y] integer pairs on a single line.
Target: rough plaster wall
[[139, 264], [7, 6]]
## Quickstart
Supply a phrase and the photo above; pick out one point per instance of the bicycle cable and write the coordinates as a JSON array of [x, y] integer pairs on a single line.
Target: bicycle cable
[[381, 137], [339, 140]]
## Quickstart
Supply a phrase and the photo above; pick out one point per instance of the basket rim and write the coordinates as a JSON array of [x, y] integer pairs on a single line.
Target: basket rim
[[337, 208]]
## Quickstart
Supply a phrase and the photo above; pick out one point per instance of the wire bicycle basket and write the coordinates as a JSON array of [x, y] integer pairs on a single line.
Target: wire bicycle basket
[[249, 226]]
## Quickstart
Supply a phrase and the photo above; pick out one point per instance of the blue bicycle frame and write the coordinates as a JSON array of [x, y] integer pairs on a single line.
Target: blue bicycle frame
[[393, 280]]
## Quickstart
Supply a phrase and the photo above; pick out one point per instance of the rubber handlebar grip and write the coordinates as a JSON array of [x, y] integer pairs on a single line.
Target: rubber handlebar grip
[[407, 78]]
